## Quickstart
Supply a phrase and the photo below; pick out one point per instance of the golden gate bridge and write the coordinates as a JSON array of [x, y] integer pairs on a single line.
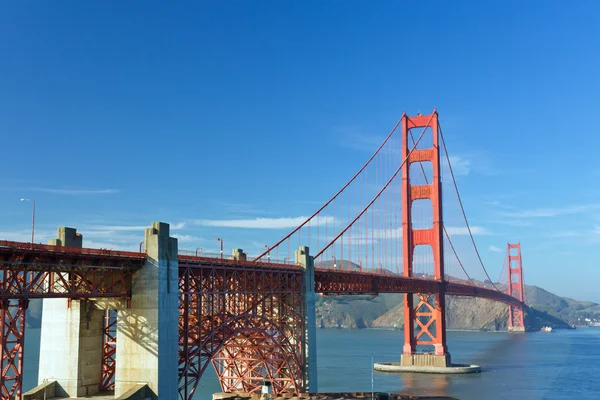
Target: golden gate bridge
[[163, 315]]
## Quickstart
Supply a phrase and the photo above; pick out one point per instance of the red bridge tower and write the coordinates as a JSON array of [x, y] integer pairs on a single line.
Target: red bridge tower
[[429, 316], [516, 288]]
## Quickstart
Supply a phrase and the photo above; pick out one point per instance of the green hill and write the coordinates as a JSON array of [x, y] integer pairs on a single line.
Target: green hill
[[386, 311]]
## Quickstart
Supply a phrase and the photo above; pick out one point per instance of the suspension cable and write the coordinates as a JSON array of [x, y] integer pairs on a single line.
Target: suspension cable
[[378, 194], [504, 266], [337, 194], [463, 209], [443, 225]]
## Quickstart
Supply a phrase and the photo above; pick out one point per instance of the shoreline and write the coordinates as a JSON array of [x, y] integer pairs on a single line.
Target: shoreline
[[329, 396]]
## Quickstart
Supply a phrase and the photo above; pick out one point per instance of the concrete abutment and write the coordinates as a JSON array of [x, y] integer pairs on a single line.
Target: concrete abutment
[[147, 347], [309, 345], [71, 338], [147, 335]]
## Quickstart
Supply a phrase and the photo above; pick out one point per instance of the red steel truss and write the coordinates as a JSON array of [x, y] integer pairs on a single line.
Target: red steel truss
[[516, 320], [329, 281], [52, 271], [42, 271], [246, 320], [109, 350], [12, 319]]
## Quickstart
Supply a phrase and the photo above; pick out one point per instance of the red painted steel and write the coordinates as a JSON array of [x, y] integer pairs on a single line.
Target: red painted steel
[[54, 271], [329, 281], [62, 250], [109, 350], [516, 317], [43, 271], [429, 315], [246, 321], [12, 319], [243, 317], [316, 213]]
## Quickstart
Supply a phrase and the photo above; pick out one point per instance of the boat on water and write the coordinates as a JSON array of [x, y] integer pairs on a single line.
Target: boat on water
[[546, 329], [595, 324]]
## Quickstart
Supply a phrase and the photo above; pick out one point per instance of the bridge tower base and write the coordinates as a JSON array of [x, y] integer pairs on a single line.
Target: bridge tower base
[[425, 360]]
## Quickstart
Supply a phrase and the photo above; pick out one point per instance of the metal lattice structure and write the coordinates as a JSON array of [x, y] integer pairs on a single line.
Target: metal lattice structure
[[516, 317], [425, 323], [43, 271], [12, 321], [246, 321], [109, 350]]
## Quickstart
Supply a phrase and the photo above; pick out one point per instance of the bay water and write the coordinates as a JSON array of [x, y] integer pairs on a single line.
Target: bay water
[[564, 364]]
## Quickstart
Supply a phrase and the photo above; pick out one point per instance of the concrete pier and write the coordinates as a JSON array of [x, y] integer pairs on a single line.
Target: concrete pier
[[427, 369], [147, 332], [425, 360], [71, 338], [309, 360]]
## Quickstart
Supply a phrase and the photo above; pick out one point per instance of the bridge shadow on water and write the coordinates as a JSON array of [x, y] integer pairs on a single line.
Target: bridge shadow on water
[[425, 384]]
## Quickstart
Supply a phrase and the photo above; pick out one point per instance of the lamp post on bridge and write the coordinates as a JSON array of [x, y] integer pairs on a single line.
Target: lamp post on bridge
[[198, 249], [334, 262], [268, 253], [32, 217], [221, 241]]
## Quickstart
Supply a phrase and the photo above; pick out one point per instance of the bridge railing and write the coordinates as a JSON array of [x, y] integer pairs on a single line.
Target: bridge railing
[[191, 255], [70, 250]]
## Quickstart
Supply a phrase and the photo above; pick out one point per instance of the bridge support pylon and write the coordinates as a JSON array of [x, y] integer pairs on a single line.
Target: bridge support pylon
[[425, 323], [147, 331], [516, 317], [309, 328], [71, 337]]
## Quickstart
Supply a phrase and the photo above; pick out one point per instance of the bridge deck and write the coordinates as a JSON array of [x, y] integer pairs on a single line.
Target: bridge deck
[[90, 273]]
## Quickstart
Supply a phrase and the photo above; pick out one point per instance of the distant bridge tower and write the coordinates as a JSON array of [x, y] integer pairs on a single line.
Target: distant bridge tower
[[516, 322], [429, 315]]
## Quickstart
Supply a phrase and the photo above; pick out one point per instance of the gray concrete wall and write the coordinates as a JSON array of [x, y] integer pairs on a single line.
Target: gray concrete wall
[[147, 332], [307, 262], [67, 237], [71, 338], [43, 391], [71, 346]]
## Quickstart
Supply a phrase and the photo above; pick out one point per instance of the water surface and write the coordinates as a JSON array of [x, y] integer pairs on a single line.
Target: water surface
[[558, 365]]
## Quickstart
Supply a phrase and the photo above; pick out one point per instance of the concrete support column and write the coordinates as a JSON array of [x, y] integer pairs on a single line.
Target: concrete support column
[[239, 255], [71, 338], [147, 334], [309, 337]]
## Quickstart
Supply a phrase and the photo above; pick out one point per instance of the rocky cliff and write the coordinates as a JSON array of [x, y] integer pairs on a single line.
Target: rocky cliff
[[386, 311]]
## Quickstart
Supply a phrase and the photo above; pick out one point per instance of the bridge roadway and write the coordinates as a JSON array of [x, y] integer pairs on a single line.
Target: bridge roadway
[[95, 273], [329, 281]]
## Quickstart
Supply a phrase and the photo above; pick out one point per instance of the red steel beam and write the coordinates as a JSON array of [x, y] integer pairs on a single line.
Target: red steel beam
[[24, 248], [109, 350], [246, 321], [329, 281], [12, 343], [40, 273]]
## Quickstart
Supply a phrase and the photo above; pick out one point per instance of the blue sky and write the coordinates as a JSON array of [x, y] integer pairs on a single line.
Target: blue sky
[[115, 115]]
